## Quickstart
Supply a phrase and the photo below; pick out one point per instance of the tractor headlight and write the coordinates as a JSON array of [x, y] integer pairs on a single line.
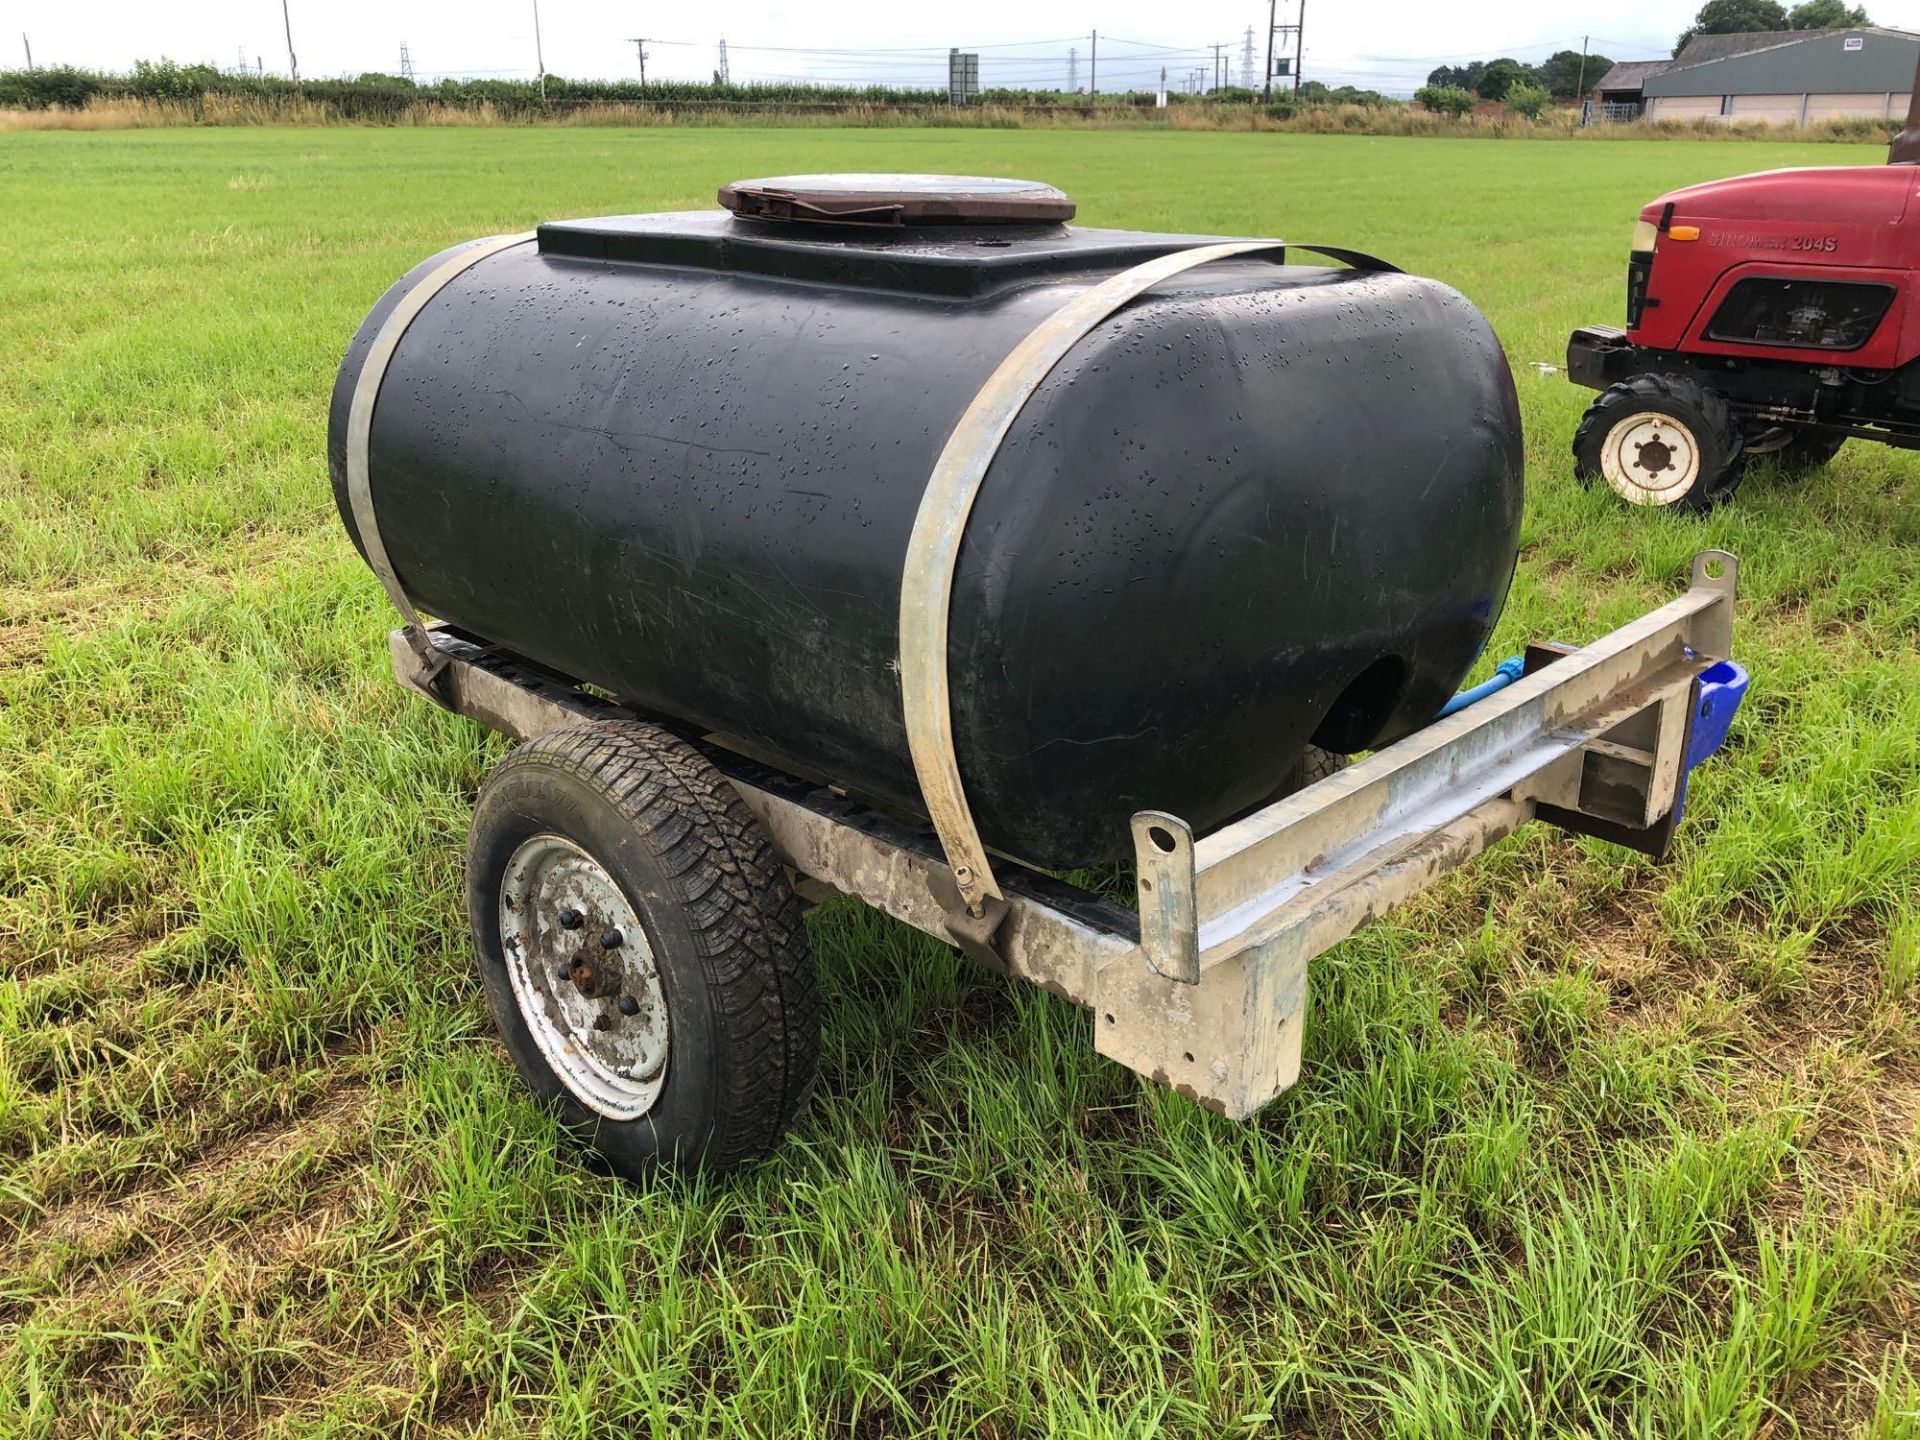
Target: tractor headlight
[[1644, 232]]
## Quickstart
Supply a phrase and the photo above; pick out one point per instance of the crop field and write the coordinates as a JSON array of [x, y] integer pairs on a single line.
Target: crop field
[[1582, 1145]]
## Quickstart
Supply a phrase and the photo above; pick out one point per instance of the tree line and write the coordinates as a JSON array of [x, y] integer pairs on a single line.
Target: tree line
[[1570, 74], [1739, 17], [1564, 75], [375, 96]]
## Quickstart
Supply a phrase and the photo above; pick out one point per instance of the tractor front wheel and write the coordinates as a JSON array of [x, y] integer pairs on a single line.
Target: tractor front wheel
[[1660, 441]]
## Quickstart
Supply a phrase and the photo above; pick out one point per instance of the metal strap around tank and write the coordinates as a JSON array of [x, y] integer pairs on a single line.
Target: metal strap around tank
[[366, 391], [926, 591]]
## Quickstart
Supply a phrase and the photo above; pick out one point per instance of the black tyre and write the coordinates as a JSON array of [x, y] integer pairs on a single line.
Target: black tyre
[[1314, 765], [641, 948], [1660, 441], [1796, 451]]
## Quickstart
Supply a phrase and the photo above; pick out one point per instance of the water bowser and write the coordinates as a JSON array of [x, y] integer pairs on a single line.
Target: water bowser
[[1257, 506], [892, 537]]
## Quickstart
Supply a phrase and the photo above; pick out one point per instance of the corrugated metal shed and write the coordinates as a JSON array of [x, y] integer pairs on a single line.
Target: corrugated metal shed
[[1869, 60], [1631, 74], [1703, 48]]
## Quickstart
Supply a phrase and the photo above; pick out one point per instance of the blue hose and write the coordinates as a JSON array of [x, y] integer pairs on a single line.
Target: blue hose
[[1504, 674]]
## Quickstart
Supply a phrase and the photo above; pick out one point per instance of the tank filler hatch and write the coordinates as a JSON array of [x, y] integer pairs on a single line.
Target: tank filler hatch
[[896, 201]]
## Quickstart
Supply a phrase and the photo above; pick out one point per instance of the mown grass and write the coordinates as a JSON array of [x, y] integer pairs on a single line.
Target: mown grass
[[1581, 1146]]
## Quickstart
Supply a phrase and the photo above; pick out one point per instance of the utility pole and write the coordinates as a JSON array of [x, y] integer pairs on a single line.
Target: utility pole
[[1580, 85], [29, 44], [1299, 45], [1246, 61], [539, 55], [1093, 84], [1219, 64], [406, 62], [1274, 28], [640, 49], [1266, 87], [723, 73], [1073, 70], [293, 61]]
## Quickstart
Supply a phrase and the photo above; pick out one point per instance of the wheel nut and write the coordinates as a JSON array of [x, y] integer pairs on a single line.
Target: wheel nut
[[628, 1005], [563, 973], [572, 918], [610, 939]]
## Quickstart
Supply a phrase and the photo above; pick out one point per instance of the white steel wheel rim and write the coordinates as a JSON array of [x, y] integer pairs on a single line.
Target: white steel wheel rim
[[1650, 459], [584, 977]]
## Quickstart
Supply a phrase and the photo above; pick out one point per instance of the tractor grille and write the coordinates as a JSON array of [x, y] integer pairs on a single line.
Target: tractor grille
[[1639, 271]]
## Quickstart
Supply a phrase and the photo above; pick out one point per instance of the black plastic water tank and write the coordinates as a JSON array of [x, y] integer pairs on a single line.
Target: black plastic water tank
[[679, 456]]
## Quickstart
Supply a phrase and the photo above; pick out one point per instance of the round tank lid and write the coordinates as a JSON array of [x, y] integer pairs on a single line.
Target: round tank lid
[[897, 200]]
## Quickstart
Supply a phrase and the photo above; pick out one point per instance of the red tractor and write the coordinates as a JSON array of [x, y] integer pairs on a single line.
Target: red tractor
[[1774, 314]]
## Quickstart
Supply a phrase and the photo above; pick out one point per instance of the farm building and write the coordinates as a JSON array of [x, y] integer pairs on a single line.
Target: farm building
[[1617, 96], [1787, 76]]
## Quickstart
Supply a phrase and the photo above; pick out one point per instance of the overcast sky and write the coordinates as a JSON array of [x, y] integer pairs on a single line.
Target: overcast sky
[[1387, 44]]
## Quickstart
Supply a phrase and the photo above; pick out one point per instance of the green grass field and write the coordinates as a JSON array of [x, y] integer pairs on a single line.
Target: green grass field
[[1582, 1146]]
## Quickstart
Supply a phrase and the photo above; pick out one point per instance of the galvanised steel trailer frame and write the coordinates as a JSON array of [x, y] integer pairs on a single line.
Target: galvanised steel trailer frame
[[1205, 987]]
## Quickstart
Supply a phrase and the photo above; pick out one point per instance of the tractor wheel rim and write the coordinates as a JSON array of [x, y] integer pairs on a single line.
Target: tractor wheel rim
[[1650, 459], [584, 976]]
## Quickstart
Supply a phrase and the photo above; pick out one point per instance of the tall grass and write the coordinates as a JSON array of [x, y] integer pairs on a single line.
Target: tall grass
[[291, 108]]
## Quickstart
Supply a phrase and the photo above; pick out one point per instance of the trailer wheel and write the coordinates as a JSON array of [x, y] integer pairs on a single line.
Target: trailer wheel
[[1313, 766], [1658, 441], [641, 948]]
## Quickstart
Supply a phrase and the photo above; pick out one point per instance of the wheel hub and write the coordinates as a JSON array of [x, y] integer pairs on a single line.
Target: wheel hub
[[1650, 459], [584, 977], [1654, 455]]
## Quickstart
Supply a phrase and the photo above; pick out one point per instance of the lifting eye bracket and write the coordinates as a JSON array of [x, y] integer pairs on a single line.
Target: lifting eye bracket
[[431, 659]]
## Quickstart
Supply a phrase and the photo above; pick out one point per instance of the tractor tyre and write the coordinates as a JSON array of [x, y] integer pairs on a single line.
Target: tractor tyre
[[1806, 451], [1657, 440]]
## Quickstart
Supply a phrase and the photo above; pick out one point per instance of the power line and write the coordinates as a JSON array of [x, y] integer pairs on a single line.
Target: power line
[[1485, 50], [1144, 44], [1026, 63], [875, 50]]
